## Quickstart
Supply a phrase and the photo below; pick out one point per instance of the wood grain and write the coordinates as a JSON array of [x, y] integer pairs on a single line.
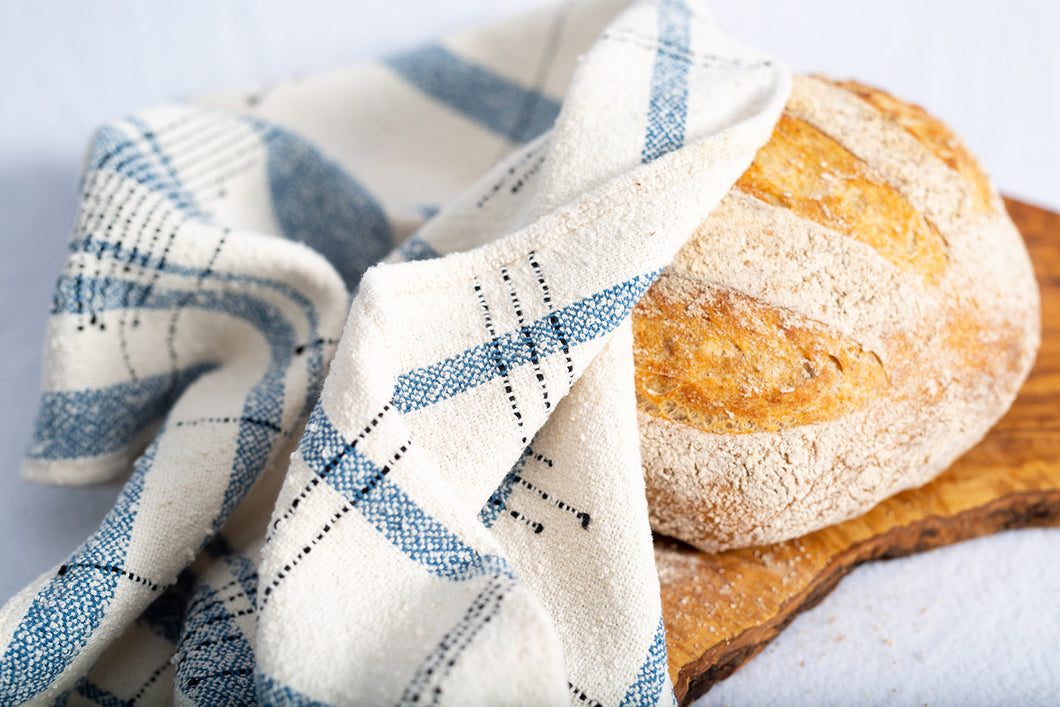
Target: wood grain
[[721, 609]]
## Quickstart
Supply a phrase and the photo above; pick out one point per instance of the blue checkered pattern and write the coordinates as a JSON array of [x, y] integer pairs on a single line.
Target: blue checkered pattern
[[389, 509], [128, 148], [81, 423], [435, 523], [581, 321], [215, 657], [72, 605]]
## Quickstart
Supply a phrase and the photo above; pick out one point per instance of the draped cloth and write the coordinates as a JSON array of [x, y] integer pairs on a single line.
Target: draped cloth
[[359, 345]]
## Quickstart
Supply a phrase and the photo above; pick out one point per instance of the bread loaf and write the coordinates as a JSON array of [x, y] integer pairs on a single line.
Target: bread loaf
[[857, 312]]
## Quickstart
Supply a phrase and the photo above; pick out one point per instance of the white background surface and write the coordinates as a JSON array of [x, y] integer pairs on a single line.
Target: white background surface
[[977, 623]]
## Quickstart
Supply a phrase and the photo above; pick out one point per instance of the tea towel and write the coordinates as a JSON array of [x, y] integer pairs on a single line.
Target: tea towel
[[409, 482]]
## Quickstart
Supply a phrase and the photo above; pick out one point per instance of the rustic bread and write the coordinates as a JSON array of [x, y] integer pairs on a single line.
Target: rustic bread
[[857, 312]]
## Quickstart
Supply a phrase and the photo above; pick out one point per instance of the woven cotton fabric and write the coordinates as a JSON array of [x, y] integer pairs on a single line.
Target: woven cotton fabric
[[414, 482]]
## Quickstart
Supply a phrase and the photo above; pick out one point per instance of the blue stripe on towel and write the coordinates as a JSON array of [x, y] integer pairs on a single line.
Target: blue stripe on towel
[[476, 92], [576, 323], [214, 660], [84, 423], [387, 507], [47, 640], [271, 692], [415, 248], [668, 104], [113, 148], [647, 687], [318, 203], [261, 416]]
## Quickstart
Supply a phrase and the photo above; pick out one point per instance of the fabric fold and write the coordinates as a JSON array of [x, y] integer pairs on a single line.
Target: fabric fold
[[456, 514]]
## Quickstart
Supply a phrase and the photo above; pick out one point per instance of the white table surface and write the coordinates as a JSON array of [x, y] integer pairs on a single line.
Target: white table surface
[[976, 623]]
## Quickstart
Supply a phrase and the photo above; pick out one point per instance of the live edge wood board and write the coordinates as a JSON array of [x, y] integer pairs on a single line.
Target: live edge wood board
[[721, 609]]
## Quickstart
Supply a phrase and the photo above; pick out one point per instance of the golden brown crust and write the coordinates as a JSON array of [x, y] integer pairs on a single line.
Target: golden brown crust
[[808, 172], [931, 133], [727, 363], [821, 343]]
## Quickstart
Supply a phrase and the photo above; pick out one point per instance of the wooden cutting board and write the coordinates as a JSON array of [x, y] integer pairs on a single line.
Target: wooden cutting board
[[721, 609]]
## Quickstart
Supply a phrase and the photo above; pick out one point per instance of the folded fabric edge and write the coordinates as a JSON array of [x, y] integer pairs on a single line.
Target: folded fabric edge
[[100, 470], [419, 276]]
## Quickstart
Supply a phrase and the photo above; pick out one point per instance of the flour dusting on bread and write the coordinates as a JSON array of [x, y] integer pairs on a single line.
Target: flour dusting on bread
[[856, 313]]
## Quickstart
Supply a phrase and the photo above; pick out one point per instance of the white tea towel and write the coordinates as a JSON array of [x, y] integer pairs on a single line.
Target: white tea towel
[[456, 514]]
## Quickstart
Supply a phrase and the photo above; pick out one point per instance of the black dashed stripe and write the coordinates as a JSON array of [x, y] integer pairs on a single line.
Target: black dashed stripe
[[502, 368], [192, 682], [229, 420], [328, 468], [302, 348], [582, 517], [171, 334], [426, 684], [534, 525], [527, 338], [153, 586], [346, 508], [582, 697], [149, 682], [553, 320], [499, 184]]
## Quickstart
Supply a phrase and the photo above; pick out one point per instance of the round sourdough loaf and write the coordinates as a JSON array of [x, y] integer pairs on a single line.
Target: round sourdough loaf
[[857, 312]]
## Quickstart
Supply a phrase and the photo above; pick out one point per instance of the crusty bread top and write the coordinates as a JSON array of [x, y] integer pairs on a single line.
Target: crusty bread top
[[729, 364], [856, 312], [932, 134], [725, 362]]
